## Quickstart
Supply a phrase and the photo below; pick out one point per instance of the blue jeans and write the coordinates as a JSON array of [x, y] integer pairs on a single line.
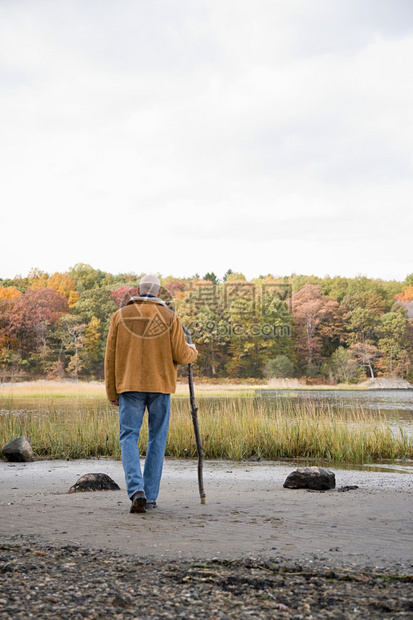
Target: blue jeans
[[132, 407]]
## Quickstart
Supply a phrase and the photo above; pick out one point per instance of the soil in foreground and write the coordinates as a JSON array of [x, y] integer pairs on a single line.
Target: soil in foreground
[[39, 580]]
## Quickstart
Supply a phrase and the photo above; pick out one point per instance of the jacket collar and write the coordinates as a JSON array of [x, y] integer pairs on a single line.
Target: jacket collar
[[146, 299]]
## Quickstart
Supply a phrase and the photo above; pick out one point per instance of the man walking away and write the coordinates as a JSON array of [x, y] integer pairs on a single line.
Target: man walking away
[[146, 342]]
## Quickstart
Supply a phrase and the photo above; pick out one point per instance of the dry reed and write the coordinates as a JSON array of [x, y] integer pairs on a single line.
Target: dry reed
[[232, 428], [96, 389]]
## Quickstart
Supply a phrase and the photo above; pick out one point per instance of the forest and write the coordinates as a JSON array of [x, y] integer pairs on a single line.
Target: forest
[[331, 329]]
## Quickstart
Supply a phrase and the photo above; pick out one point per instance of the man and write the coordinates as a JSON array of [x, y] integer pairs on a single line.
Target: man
[[146, 342]]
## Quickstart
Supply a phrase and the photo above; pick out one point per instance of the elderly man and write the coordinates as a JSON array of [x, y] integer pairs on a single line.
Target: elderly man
[[145, 344]]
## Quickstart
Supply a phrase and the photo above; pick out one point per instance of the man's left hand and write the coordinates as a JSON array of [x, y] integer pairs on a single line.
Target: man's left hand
[[115, 402]]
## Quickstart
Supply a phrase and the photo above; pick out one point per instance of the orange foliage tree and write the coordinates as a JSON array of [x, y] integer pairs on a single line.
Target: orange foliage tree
[[9, 292], [64, 285], [406, 295], [316, 318]]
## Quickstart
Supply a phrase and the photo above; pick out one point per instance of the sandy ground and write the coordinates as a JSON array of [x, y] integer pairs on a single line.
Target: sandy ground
[[248, 512]]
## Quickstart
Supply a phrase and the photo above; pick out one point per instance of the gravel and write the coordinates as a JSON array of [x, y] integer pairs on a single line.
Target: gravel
[[39, 580]]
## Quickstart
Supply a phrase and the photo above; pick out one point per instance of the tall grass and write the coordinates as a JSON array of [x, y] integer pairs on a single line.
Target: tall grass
[[96, 389], [52, 389], [232, 428]]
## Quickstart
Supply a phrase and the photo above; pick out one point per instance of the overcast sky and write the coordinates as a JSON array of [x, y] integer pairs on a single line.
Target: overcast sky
[[184, 136]]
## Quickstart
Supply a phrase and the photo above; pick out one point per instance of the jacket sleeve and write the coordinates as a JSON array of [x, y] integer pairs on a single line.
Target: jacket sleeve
[[182, 353], [110, 377]]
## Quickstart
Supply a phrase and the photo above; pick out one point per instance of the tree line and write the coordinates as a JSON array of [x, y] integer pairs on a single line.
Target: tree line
[[343, 329]]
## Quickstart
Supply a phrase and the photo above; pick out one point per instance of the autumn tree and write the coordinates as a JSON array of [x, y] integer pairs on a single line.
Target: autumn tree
[[9, 292], [406, 295], [392, 338], [202, 312], [37, 279], [72, 340], [235, 277], [211, 336], [259, 326], [92, 353], [96, 302], [64, 285], [123, 294], [279, 367], [343, 365], [363, 316], [86, 277], [31, 321], [405, 299], [409, 349], [174, 287], [340, 288], [19, 282], [10, 357], [366, 355], [315, 317], [313, 324]]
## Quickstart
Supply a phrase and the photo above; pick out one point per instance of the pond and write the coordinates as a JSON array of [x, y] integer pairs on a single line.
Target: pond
[[394, 405]]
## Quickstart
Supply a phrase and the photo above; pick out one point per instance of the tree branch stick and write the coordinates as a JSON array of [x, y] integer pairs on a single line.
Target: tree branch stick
[[194, 414]]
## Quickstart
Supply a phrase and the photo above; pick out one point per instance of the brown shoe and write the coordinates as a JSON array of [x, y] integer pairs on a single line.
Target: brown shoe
[[138, 502]]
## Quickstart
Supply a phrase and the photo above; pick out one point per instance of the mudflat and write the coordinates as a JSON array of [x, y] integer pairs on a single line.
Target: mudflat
[[247, 513]]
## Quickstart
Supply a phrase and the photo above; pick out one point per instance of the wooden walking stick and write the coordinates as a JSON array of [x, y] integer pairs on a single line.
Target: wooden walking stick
[[194, 414]]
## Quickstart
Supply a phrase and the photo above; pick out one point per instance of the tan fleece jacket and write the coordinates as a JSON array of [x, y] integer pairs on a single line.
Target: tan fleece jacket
[[145, 344]]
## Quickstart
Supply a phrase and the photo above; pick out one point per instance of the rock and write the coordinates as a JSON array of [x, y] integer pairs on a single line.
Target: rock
[[315, 478], [19, 450], [94, 482], [121, 599], [387, 383], [349, 487]]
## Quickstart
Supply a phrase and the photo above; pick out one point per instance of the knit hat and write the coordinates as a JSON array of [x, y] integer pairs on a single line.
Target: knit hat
[[149, 285]]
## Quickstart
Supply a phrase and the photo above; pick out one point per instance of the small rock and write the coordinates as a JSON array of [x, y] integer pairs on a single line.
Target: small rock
[[349, 487], [121, 599], [316, 478], [19, 450], [94, 482]]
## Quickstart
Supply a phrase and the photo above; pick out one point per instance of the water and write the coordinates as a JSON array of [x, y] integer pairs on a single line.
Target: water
[[395, 405]]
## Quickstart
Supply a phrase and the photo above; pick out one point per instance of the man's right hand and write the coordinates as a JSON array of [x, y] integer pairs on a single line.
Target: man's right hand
[[192, 345], [115, 402]]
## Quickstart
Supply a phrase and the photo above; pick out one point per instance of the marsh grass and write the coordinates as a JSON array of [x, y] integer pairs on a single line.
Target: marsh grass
[[53, 389], [232, 428], [96, 389]]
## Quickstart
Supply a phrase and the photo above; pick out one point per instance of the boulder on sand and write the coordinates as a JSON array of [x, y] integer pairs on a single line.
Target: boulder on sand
[[94, 482], [18, 451], [316, 478]]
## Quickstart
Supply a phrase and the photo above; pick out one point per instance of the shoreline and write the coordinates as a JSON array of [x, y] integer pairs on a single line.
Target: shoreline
[[248, 512], [254, 550], [43, 388]]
